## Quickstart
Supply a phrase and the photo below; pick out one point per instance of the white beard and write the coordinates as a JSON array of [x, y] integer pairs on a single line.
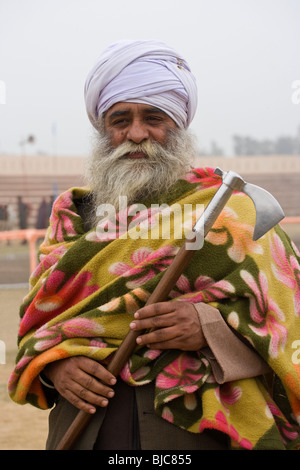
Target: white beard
[[110, 174]]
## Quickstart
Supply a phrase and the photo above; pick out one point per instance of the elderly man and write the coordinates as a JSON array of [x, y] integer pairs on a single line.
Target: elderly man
[[198, 376]]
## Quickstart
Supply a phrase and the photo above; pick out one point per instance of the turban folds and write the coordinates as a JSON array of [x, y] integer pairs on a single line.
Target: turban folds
[[148, 72]]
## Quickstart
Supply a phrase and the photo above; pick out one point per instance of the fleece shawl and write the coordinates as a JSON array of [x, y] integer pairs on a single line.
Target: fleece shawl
[[88, 285]]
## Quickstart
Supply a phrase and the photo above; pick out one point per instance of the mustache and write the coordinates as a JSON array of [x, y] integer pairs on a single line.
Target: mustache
[[152, 150]]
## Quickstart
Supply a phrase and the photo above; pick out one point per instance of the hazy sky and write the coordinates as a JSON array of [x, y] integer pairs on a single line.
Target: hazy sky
[[245, 55]]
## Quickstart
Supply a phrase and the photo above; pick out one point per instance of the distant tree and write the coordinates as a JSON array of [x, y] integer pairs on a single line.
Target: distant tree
[[267, 147], [282, 145], [215, 150], [245, 145]]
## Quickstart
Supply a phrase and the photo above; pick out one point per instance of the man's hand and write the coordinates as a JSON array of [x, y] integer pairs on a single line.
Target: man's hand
[[78, 378], [174, 325]]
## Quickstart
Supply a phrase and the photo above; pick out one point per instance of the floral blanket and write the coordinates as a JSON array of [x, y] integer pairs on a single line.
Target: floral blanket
[[88, 285]]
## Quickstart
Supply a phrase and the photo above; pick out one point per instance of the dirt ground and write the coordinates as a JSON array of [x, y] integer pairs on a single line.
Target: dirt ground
[[21, 427]]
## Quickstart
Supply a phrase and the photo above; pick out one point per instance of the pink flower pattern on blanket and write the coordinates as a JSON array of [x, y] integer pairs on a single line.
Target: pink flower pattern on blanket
[[222, 425], [48, 261], [74, 328], [146, 263], [287, 270], [228, 394], [51, 300], [260, 305], [180, 375], [61, 221], [205, 177], [205, 289]]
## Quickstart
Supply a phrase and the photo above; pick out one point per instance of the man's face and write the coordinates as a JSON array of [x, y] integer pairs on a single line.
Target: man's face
[[135, 122], [139, 152]]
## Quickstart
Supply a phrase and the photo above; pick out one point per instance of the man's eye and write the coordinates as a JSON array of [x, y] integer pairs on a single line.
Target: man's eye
[[119, 122], [154, 119]]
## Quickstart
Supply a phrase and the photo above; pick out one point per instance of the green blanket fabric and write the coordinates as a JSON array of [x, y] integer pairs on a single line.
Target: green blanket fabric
[[88, 285]]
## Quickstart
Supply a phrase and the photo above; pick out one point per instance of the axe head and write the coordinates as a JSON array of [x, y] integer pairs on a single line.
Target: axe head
[[268, 210]]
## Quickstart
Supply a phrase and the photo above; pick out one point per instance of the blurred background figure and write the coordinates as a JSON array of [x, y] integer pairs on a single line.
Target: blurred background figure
[[12, 216], [43, 214], [23, 212]]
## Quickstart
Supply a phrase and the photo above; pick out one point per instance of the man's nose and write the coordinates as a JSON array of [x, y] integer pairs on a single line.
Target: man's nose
[[137, 132]]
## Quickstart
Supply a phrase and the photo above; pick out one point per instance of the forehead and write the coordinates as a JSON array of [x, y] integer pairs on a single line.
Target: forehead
[[132, 108]]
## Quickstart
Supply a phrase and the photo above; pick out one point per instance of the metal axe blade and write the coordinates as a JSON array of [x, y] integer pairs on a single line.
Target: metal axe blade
[[268, 210]]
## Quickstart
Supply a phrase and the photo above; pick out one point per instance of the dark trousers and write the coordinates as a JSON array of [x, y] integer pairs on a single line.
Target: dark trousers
[[130, 423]]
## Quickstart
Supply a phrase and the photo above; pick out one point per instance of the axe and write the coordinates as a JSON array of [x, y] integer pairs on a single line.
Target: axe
[[268, 214]]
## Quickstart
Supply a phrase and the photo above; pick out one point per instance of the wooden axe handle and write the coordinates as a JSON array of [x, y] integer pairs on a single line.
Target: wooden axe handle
[[128, 345]]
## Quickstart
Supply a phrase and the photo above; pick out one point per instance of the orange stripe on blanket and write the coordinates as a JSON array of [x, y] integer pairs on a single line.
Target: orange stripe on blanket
[[29, 380]]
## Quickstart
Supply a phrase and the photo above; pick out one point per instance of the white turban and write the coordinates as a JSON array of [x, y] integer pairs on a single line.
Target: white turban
[[148, 72]]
